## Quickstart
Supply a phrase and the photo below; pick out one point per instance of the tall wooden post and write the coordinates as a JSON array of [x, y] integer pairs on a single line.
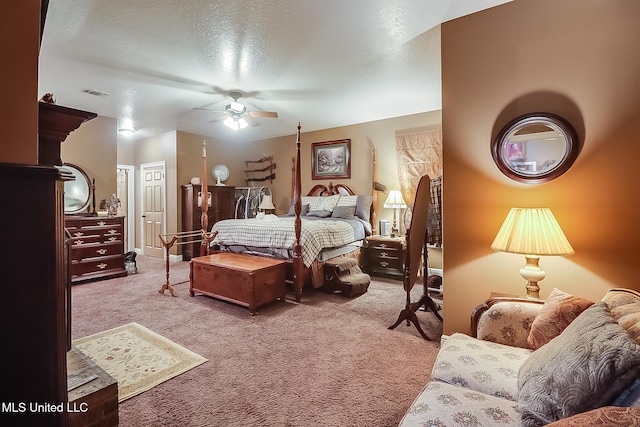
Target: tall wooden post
[[204, 207]]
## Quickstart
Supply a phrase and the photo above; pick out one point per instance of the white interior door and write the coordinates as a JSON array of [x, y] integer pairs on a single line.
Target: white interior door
[[153, 208]]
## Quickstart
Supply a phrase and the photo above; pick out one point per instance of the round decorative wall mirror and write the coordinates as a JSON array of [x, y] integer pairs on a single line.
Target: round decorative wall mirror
[[535, 148], [77, 193]]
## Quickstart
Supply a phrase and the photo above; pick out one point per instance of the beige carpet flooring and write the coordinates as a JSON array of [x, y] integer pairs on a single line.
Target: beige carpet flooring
[[327, 361]]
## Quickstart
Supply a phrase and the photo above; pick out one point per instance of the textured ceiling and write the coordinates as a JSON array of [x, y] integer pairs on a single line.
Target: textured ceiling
[[322, 63]]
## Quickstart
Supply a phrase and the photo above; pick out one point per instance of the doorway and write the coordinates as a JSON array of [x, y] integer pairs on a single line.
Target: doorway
[[125, 191], [153, 207]]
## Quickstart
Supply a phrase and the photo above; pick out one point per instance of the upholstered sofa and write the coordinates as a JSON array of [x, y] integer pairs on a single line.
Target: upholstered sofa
[[563, 361]]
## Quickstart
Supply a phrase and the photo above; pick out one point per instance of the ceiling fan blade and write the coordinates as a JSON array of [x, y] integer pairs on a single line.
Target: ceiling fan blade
[[270, 114], [209, 109], [216, 120]]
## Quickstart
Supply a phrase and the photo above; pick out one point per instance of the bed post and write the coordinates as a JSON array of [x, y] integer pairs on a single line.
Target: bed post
[[374, 192], [204, 207], [298, 265]]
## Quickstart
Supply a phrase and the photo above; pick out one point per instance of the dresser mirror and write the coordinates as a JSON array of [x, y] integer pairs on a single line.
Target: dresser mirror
[[535, 148], [77, 193]]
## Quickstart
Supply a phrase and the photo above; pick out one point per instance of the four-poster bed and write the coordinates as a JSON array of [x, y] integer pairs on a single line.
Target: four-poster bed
[[309, 235]]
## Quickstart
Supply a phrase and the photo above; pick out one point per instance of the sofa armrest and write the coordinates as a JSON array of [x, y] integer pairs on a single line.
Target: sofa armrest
[[505, 320]]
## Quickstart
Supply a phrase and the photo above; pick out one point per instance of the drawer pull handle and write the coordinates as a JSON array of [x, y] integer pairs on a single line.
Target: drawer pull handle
[[78, 242], [102, 266], [112, 239], [384, 254], [78, 234], [113, 231], [383, 245], [102, 251], [384, 264], [102, 223]]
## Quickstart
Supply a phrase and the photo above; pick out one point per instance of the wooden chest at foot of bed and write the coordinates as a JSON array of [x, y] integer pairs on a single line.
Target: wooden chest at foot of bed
[[251, 281]]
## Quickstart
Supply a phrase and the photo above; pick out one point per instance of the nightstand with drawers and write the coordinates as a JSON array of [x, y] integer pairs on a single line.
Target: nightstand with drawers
[[384, 256]]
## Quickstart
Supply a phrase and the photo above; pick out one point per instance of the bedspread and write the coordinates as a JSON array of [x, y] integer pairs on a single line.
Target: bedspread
[[279, 232]]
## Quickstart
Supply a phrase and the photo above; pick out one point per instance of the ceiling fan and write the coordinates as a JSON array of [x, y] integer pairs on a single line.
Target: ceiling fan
[[237, 114]]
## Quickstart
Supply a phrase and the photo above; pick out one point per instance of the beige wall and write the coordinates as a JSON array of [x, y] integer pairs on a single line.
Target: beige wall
[[159, 148], [19, 47], [93, 147], [379, 134], [575, 58]]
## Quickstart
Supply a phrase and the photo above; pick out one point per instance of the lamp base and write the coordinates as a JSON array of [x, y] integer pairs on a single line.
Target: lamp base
[[532, 273], [533, 290]]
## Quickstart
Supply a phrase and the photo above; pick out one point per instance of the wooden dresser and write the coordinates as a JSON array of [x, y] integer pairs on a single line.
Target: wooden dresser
[[222, 206], [97, 247]]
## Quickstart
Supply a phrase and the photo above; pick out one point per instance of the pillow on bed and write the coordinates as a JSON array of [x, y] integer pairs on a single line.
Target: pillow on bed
[[347, 201], [317, 203], [344, 212], [363, 207], [320, 213], [303, 211]]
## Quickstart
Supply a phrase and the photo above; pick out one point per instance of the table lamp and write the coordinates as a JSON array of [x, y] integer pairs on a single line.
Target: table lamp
[[266, 203], [394, 201], [532, 232]]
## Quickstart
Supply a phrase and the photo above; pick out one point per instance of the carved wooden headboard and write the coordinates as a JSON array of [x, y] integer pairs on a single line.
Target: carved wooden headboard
[[322, 190]]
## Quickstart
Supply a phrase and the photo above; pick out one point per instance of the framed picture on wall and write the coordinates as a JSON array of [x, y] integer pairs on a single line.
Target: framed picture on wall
[[331, 159]]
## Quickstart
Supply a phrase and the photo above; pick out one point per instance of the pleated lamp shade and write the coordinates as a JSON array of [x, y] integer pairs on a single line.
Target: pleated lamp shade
[[532, 231]]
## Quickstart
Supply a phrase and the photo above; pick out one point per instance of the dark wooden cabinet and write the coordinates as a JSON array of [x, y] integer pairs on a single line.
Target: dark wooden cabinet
[[222, 206], [97, 247], [385, 256]]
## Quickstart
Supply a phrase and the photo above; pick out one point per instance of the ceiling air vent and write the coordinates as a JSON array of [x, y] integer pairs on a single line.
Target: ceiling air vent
[[94, 92]]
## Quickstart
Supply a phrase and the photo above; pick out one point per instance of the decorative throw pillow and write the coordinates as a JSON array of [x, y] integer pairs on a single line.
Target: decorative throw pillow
[[558, 311], [303, 211], [317, 203], [347, 201], [583, 368], [344, 212], [363, 207], [609, 416], [320, 213], [628, 316]]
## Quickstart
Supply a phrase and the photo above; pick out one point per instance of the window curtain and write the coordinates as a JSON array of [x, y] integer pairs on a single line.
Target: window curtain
[[420, 153]]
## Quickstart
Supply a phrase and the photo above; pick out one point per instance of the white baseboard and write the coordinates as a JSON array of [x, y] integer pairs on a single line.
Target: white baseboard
[[171, 256]]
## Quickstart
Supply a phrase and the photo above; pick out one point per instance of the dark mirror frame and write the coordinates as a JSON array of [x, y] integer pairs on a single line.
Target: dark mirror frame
[[546, 119], [82, 180]]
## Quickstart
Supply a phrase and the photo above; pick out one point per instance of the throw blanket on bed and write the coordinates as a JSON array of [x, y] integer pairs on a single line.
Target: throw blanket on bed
[[279, 232]]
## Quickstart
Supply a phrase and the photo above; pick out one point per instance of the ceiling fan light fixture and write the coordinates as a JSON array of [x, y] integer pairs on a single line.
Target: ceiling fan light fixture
[[235, 123], [237, 107]]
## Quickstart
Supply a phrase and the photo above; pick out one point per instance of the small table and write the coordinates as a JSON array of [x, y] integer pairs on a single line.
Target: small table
[[248, 280], [385, 256]]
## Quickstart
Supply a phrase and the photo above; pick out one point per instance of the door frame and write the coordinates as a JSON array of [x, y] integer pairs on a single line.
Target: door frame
[[144, 166], [131, 208]]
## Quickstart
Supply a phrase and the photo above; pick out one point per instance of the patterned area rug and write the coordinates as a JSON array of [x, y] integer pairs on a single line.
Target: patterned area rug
[[137, 357]]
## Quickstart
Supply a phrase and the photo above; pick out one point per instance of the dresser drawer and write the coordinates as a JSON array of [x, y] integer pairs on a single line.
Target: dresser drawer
[[96, 250], [385, 262], [97, 265]]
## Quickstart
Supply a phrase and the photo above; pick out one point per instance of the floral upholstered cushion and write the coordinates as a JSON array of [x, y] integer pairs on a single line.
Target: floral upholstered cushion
[[441, 404], [483, 366], [508, 322], [583, 368], [558, 311]]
